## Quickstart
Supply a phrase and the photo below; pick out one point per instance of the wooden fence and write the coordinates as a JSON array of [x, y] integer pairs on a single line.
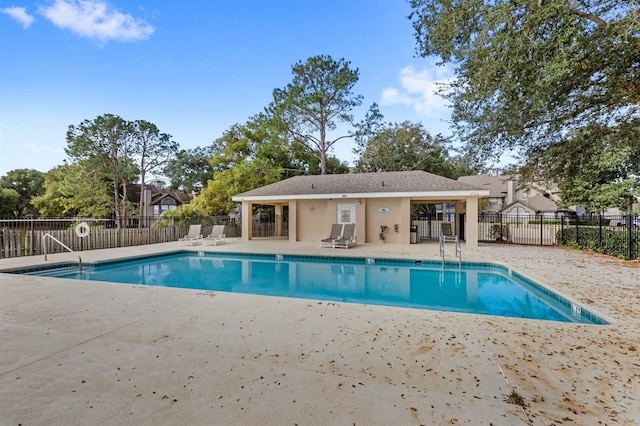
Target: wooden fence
[[16, 242]]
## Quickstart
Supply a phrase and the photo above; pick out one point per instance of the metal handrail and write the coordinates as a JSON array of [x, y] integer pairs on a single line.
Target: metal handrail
[[44, 246], [458, 249]]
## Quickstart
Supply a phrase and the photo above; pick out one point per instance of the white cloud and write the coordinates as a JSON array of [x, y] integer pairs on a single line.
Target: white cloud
[[95, 19], [19, 14], [418, 90]]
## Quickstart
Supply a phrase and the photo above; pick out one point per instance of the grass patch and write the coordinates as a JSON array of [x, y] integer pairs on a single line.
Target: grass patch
[[515, 399]]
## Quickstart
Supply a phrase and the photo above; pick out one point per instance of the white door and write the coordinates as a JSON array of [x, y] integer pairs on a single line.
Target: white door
[[346, 213]]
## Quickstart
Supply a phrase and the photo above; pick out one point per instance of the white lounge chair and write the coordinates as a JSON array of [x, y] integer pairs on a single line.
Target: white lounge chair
[[216, 237], [447, 232], [348, 237], [336, 230], [193, 237]]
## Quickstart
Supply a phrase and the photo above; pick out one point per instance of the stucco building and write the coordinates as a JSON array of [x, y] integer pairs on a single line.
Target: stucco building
[[369, 200]]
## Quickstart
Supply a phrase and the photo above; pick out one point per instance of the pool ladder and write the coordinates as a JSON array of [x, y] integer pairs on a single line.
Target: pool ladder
[[44, 247], [443, 240]]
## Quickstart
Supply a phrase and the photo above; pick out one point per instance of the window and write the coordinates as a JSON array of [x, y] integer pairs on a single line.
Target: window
[[165, 205]]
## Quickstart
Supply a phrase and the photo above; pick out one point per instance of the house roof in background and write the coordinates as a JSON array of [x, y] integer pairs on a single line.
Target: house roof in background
[[539, 204], [497, 185], [157, 194], [366, 185]]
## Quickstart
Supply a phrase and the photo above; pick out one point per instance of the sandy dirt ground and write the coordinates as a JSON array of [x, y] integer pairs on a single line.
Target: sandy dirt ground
[[97, 353]]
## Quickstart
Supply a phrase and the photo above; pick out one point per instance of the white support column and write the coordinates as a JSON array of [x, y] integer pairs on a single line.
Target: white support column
[[471, 228], [247, 222], [405, 222], [278, 208], [293, 220]]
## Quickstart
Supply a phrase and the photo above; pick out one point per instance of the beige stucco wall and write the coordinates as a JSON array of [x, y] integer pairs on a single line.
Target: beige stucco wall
[[374, 219], [311, 220]]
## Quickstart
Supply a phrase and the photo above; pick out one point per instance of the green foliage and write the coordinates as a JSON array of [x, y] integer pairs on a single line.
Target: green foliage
[[9, 202], [107, 145], [515, 398], [154, 150], [75, 190], [190, 169], [334, 166], [120, 151], [407, 146], [529, 71], [182, 215], [215, 198], [28, 183], [318, 99], [614, 242], [252, 155], [596, 166]]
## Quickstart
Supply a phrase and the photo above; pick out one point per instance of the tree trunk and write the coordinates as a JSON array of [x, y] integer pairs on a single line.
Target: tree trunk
[[142, 200], [323, 150], [116, 200]]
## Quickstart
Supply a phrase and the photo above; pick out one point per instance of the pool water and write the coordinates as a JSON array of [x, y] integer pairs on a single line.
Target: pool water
[[477, 288]]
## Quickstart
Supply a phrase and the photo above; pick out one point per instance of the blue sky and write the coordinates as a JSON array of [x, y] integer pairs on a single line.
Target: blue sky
[[194, 68]]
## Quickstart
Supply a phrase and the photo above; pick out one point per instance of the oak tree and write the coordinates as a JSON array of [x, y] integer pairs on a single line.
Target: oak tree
[[528, 72]]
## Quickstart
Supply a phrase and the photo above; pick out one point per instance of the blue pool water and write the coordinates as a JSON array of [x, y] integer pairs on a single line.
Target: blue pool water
[[477, 288]]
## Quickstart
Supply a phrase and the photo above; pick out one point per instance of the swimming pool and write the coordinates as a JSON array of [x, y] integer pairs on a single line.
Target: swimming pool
[[478, 288]]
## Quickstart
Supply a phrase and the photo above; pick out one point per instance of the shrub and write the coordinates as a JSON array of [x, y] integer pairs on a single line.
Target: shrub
[[183, 215], [499, 232], [614, 242]]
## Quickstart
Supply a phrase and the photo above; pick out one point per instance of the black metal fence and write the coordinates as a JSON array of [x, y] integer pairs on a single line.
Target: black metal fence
[[613, 235], [265, 226]]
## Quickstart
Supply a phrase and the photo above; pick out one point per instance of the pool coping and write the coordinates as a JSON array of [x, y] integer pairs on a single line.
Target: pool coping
[[576, 307]]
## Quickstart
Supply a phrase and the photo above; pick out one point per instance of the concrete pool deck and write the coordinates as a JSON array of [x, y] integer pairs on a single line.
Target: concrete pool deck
[[76, 352]]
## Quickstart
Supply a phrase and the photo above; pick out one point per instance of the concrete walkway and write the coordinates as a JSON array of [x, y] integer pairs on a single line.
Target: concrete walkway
[[76, 353]]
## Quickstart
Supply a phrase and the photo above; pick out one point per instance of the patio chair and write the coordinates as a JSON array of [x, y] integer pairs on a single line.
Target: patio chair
[[216, 237], [446, 232], [193, 237], [348, 237], [336, 230]]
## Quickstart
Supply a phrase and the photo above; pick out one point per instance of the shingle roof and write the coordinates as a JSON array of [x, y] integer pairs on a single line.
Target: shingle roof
[[540, 203], [360, 184], [497, 185], [157, 194]]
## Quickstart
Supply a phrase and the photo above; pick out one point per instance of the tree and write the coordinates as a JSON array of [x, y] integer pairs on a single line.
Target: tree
[[74, 190], [190, 169], [185, 214], [406, 146], [319, 98], [9, 201], [28, 183], [154, 149], [595, 167], [106, 144], [531, 71], [245, 157]]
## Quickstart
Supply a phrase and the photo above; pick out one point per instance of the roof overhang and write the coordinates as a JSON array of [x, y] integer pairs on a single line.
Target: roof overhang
[[439, 195]]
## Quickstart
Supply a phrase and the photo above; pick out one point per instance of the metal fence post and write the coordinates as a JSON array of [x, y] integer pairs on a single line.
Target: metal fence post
[[629, 223], [600, 231], [541, 232]]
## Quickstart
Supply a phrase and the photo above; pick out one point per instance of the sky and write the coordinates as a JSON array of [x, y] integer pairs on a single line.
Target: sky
[[194, 68]]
